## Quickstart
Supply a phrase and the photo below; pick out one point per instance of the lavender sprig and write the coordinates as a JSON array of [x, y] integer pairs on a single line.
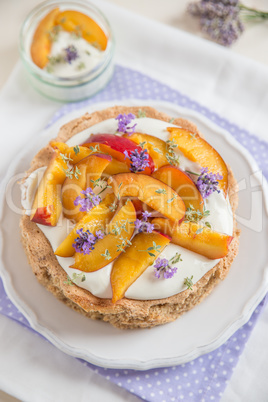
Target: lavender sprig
[[207, 182], [70, 54], [89, 201], [163, 266], [123, 123], [142, 225], [219, 19], [139, 161], [86, 240]]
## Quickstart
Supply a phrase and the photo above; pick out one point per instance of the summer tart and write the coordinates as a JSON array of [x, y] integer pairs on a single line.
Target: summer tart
[[132, 220]]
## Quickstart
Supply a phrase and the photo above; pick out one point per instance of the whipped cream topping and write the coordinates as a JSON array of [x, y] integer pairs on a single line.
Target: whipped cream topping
[[147, 286], [88, 56]]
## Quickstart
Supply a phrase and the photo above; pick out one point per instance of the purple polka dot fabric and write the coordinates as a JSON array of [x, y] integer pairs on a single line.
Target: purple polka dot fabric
[[205, 378]]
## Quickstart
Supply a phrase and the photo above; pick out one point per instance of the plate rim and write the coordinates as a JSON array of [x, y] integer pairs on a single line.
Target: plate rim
[[130, 363]]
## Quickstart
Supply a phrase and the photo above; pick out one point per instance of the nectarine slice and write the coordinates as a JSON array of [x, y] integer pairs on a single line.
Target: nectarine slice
[[208, 243], [199, 150], [156, 147], [182, 184], [75, 154], [151, 191], [47, 205], [116, 167], [120, 231], [90, 168], [75, 21], [41, 43], [94, 220], [119, 145], [131, 264]]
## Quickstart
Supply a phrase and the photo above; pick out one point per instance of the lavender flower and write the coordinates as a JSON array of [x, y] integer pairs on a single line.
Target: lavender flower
[[123, 123], [85, 241], [89, 201], [162, 267], [207, 183], [99, 234], [70, 54], [139, 161], [146, 215], [219, 19], [142, 225]]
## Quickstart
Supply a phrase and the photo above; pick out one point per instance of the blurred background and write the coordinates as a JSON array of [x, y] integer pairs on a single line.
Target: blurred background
[[253, 43]]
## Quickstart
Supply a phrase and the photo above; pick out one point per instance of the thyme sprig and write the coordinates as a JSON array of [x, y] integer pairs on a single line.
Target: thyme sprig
[[101, 183], [141, 114], [54, 33], [192, 215], [76, 149], [188, 282], [161, 191], [75, 277], [106, 255], [125, 243], [154, 247], [172, 157], [66, 158], [176, 258], [113, 206], [72, 171]]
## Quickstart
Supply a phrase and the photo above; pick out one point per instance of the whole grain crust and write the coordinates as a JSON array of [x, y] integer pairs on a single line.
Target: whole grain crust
[[126, 313]]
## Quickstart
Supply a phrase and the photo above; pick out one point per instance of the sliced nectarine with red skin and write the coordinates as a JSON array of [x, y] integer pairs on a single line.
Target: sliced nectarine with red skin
[[119, 144], [82, 24], [156, 147], [42, 215], [96, 219], [114, 242], [47, 205], [151, 191], [131, 264], [208, 243], [182, 184], [41, 43], [90, 169], [105, 149], [76, 154], [199, 150]]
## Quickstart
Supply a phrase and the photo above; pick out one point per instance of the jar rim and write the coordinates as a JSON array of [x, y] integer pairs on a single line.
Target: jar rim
[[79, 79]]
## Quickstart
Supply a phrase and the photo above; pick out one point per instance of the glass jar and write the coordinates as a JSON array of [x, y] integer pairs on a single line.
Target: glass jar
[[73, 88]]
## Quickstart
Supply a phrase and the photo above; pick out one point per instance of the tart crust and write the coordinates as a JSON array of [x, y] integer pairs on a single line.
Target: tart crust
[[126, 313]]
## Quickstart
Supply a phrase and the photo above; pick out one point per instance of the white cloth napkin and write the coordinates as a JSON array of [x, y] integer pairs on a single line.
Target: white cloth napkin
[[232, 86]]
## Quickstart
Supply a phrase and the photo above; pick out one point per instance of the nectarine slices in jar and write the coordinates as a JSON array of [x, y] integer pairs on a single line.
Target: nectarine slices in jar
[[41, 43], [81, 24]]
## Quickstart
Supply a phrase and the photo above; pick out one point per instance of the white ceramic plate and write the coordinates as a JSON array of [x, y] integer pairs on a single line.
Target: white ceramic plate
[[201, 330]]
